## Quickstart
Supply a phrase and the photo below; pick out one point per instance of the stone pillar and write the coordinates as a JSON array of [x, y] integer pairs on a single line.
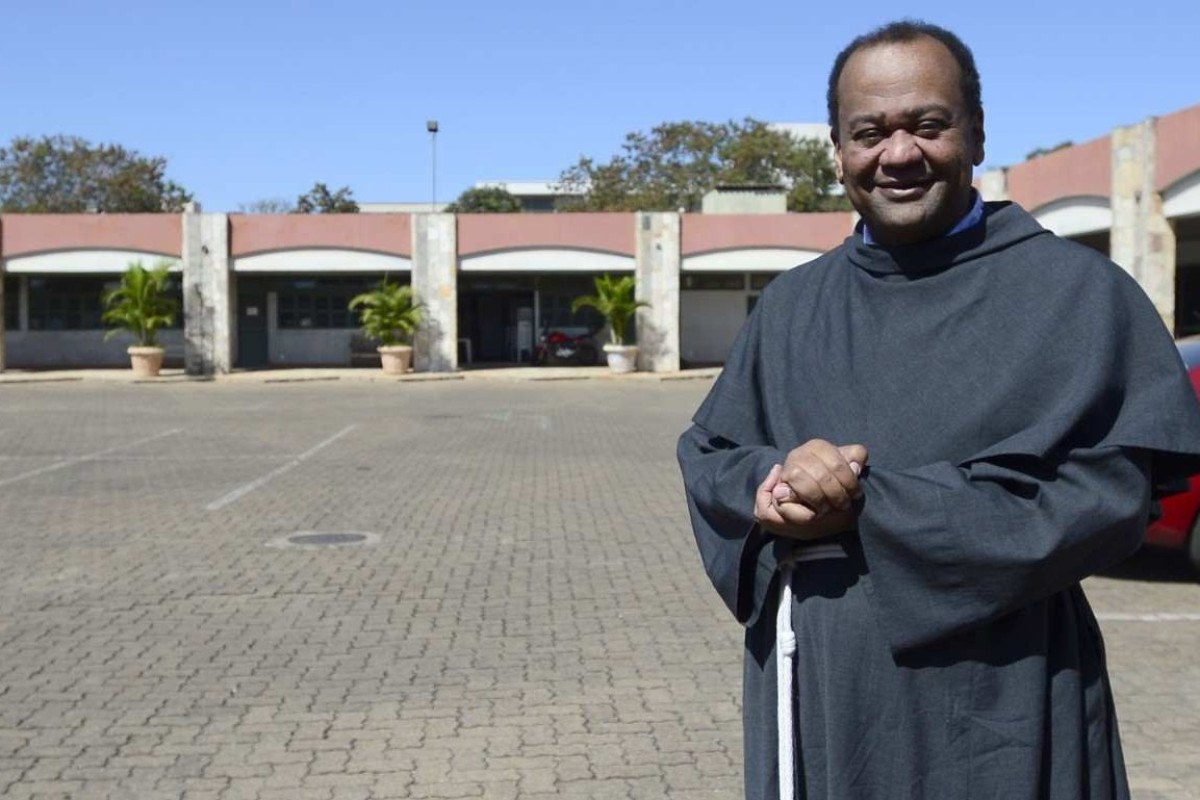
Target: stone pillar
[[3, 308], [3, 320], [209, 307], [993, 185], [435, 283], [1142, 240], [657, 275]]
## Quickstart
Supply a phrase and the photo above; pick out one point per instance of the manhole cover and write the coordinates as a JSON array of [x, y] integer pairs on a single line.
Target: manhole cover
[[317, 540]]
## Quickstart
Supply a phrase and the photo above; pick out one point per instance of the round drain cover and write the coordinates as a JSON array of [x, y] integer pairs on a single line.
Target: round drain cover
[[319, 540]]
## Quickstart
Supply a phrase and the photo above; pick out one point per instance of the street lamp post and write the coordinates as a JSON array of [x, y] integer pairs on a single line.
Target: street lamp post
[[432, 127]]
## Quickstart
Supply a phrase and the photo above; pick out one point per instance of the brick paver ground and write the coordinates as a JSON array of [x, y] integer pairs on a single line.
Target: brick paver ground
[[531, 621]]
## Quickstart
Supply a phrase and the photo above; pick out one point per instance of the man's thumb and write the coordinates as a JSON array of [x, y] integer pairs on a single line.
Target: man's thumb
[[856, 454]]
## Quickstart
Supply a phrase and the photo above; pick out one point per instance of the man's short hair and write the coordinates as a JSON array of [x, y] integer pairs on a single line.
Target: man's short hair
[[902, 32]]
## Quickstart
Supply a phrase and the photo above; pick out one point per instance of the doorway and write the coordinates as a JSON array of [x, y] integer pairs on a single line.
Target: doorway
[[253, 345], [498, 323]]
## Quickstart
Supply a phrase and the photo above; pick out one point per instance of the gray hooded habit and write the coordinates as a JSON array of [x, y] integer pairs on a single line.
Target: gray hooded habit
[[1022, 404]]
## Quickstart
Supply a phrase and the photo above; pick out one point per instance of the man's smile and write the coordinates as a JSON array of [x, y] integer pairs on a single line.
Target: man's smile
[[904, 190]]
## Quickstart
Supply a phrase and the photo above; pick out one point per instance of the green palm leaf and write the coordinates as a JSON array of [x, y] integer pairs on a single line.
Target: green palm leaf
[[614, 299], [141, 304], [388, 313]]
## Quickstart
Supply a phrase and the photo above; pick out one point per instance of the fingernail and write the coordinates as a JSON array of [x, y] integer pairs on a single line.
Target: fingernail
[[856, 468]]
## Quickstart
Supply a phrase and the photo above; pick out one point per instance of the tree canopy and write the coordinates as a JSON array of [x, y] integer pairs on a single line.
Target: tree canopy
[[674, 165], [67, 174], [485, 200], [319, 200], [268, 205]]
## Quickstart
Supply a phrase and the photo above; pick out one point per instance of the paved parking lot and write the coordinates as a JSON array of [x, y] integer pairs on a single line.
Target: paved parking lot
[[527, 617]]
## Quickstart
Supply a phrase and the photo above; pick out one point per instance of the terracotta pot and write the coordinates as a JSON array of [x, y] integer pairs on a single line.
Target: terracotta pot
[[622, 358], [396, 358], [146, 361]]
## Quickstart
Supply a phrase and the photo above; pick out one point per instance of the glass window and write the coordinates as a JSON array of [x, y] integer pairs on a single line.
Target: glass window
[[320, 303], [12, 302], [66, 303], [74, 302], [759, 280], [715, 280], [556, 312]]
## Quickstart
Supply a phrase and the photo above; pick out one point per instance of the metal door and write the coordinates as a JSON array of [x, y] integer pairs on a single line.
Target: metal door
[[253, 349]]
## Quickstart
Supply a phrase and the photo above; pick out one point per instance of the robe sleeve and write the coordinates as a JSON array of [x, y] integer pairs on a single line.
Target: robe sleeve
[[721, 478], [950, 548]]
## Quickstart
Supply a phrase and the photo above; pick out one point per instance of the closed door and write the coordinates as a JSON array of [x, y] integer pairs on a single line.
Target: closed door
[[252, 348]]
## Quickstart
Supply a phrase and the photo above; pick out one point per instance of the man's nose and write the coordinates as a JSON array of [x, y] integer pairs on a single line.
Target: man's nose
[[900, 150]]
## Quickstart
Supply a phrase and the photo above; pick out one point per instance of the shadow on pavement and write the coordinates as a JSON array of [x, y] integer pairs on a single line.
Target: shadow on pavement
[[1155, 566]]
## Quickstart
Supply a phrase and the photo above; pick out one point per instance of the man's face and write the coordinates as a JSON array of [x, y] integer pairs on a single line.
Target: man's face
[[906, 143]]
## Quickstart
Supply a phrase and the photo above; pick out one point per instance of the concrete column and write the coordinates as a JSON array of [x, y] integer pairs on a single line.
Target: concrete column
[[657, 275], [435, 283], [993, 185], [1142, 239], [3, 308], [3, 319], [209, 307]]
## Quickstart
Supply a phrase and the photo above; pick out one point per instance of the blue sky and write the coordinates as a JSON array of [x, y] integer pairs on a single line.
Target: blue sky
[[253, 100]]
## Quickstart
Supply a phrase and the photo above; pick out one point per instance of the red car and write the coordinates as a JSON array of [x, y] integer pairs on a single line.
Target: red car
[[1179, 526]]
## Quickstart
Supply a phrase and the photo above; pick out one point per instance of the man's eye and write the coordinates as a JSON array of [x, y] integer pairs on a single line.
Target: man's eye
[[930, 127], [869, 137]]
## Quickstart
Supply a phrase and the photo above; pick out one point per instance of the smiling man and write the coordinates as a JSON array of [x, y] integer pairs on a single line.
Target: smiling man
[[920, 444]]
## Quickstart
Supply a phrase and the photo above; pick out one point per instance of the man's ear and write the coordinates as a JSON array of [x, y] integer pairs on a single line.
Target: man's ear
[[837, 157], [978, 136]]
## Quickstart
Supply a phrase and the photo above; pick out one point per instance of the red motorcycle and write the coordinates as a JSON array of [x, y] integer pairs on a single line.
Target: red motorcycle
[[556, 349]]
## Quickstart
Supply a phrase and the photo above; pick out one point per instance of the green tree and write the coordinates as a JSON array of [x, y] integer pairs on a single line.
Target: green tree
[[677, 163], [67, 174], [614, 299], [141, 304], [269, 205], [319, 200], [485, 200]]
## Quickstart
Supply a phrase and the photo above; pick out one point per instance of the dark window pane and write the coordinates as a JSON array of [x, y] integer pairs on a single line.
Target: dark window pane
[[12, 303], [716, 280], [320, 303]]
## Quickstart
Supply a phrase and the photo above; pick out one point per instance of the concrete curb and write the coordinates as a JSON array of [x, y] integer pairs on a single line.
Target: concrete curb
[[302, 375]]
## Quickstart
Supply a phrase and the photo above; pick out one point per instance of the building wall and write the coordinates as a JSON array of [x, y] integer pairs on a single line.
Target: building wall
[[87, 348]]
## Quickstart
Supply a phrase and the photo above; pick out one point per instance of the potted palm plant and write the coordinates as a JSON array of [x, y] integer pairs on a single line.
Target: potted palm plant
[[389, 314], [614, 299], [140, 305]]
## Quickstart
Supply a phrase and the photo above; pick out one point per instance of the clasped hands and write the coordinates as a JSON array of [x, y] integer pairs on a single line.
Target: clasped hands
[[810, 495]]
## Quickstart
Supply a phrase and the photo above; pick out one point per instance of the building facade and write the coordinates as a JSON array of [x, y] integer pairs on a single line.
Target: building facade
[[272, 290]]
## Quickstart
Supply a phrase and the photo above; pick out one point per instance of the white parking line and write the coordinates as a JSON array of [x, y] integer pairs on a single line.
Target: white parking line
[[242, 491], [70, 462], [1154, 617]]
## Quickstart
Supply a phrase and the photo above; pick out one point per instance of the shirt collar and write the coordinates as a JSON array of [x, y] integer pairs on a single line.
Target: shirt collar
[[970, 220]]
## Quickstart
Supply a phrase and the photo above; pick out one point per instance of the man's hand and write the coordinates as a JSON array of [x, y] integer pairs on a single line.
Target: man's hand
[[823, 476], [827, 478]]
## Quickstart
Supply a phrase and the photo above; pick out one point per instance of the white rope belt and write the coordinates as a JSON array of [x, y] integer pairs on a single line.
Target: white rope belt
[[785, 661]]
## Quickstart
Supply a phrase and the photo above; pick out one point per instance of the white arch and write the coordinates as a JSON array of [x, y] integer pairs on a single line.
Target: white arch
[[1182, 198], [547, 259], [755, 259], [75, 262], [320, 259], [1074, 216]]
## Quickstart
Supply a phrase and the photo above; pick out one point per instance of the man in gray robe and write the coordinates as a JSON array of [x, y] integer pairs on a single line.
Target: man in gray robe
[[920, 444]]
